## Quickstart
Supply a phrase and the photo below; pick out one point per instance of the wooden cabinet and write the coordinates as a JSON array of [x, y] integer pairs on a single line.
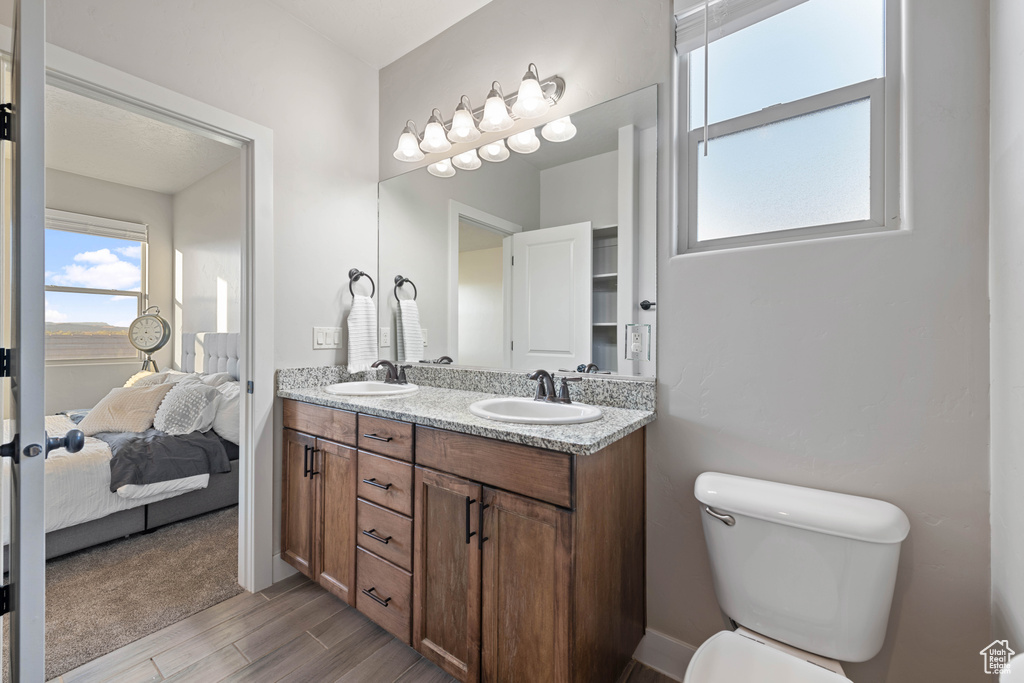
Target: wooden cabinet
[[298, 505], [336, 469]]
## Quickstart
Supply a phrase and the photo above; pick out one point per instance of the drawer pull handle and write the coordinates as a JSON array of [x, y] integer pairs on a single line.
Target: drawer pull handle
[[368, 592], [377, 438], [312, 462], [305, 460], [469, 534], [372, 534], [373, 482]]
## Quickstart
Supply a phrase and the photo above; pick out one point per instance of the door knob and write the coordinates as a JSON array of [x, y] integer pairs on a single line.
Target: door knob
[[72, 441]]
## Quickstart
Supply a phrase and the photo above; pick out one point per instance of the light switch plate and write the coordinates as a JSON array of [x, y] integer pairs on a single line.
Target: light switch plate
[[424, 331], [326, 337], [385, 337]]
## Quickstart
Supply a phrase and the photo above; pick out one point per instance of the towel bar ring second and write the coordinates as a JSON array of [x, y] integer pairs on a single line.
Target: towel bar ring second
[[399, 281], [354, 275]]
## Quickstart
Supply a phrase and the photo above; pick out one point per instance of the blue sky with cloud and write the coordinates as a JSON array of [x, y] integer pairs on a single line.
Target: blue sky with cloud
[[88, 261]]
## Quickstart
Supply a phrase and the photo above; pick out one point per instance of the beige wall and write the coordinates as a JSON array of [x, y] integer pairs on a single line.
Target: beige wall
[[1006, 244], [854, 364], [82, 385]]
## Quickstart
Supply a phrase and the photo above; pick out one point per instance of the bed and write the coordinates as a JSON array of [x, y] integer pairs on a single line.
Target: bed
[[82, 511]]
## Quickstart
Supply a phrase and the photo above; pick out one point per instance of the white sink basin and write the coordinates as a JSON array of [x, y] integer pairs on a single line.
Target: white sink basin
[[370, 389], [528, 411]]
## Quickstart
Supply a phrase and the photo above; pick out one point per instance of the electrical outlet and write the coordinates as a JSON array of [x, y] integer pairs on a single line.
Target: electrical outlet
[[385, 337], [423, 330], [326, 337]]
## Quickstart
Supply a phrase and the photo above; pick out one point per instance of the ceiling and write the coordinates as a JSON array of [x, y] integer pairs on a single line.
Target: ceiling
[[99, 140], [378, 32]]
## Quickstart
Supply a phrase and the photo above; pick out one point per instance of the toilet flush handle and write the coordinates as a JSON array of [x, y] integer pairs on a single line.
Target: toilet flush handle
[[728, 520]]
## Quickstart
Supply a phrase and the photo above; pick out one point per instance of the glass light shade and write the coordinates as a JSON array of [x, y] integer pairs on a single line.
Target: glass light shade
[[467, 161], [441, 169], [525, 142], [559, 130], [530, 102], [494, 151], [463, 126], [408, 147], [496, 117], [434, 137]]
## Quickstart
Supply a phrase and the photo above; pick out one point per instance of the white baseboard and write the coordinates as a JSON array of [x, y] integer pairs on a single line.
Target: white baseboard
[[664, 654], [282, 570]]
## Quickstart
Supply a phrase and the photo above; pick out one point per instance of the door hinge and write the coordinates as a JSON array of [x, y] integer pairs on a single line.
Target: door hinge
[[513, 260], [5, 362], [248, 386], [5, 598], [512, 345], [6, 121]]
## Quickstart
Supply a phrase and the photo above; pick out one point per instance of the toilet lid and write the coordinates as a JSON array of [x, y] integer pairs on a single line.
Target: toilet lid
[[728, 657]]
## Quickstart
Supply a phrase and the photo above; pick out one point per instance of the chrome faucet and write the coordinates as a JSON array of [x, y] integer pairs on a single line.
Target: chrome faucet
[[545, 386], [396, 375]]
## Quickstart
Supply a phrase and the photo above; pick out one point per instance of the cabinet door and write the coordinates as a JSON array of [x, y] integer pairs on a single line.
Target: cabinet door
[[298, 500], [336, 523], [446, 576], [527, 548]]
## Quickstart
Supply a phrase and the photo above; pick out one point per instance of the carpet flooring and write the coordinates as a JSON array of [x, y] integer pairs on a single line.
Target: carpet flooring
[[104, 597]]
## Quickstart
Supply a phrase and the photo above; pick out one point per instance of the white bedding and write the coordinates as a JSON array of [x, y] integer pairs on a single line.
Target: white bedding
[[78, 485]]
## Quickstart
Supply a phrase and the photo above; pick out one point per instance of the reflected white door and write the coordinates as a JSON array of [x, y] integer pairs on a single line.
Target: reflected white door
[[552, 306], [27, 545]]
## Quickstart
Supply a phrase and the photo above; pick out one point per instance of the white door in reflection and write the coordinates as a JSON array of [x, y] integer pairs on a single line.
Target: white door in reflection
[[551, 297]]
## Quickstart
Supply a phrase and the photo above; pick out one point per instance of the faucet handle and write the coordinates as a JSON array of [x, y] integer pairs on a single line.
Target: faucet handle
[[563, 394], [401, 374]]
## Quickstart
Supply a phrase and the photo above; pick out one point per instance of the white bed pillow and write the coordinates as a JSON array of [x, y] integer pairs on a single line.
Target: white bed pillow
[[137, 376], [125, 409], [226, 422], [189, 406], [217, 379]]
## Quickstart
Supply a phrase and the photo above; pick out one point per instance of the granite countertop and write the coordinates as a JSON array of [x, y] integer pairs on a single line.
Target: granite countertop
[[449, 409]]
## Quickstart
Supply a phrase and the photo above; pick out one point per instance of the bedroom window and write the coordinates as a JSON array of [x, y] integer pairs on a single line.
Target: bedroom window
[[803, 121], [95, 286]]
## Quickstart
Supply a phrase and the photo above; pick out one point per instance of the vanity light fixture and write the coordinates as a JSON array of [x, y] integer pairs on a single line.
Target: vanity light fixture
[[530, 102], [463, 128], [525, 142], [494, 151], [409, 144], [435, 137], [496, 116], [467, 161], [441, 169], [559, 130]]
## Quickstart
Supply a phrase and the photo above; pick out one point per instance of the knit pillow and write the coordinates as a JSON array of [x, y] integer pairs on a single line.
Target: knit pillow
[[125, 409], [227, 421], [190, 406]]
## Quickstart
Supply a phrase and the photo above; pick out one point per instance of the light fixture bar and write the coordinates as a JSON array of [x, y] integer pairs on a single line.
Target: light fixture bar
[[553, 89]]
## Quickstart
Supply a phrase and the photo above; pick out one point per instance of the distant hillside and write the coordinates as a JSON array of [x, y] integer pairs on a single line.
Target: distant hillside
[[83, 328]]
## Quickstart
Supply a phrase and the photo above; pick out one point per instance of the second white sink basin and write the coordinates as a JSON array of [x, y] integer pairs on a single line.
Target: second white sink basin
[[528, 411], [370, 389]]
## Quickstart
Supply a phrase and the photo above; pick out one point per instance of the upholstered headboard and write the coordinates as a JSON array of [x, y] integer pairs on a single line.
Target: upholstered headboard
[[210, 352]]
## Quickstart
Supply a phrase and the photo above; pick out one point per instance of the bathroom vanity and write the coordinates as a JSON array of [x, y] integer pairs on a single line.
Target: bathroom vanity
[[501, 552]]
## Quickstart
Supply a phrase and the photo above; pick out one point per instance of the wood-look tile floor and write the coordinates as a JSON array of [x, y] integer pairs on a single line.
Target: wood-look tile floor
[[293, 631]]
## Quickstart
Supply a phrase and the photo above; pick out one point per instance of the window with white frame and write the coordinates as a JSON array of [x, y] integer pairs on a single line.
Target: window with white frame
[[802, 122], [95, 286]]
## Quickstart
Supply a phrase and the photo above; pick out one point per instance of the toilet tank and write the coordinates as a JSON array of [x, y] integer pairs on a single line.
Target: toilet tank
[[811, 568]]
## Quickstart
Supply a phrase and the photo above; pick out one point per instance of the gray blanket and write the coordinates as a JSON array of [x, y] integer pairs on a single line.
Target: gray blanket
[[152, 456]]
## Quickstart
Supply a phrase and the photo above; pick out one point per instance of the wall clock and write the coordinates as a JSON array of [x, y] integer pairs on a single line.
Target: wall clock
[[149, 333]]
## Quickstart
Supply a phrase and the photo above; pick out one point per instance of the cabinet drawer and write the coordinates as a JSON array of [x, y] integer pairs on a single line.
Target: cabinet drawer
[[533, 472], [386, 437], [386, 482], [385, 533], [336, 425], [385, 594]]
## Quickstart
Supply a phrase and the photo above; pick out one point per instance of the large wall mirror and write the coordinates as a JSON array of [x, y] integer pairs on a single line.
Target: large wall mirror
[[539, 261]]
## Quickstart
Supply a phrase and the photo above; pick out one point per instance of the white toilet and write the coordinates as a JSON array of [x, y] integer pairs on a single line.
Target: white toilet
[[807, 576]]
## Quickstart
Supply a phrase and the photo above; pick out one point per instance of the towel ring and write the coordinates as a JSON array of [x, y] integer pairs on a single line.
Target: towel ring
[[399, 281], [354, 275]]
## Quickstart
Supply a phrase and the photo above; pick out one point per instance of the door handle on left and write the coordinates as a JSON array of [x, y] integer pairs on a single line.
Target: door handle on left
[[73, 441]]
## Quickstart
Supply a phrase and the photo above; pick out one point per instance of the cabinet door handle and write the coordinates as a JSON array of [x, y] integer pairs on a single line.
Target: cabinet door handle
[[369, 592], [372, 534], [373, 482], [469, 534], [312, 462], [377, 438], [480, 527], [305, 461]]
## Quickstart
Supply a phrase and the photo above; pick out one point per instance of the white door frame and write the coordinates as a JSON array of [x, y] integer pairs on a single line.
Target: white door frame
[[499, 225], [84, 76]]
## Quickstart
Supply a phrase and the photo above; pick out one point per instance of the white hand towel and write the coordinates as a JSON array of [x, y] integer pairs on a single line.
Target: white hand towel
[[362, 337], [411, 347]]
